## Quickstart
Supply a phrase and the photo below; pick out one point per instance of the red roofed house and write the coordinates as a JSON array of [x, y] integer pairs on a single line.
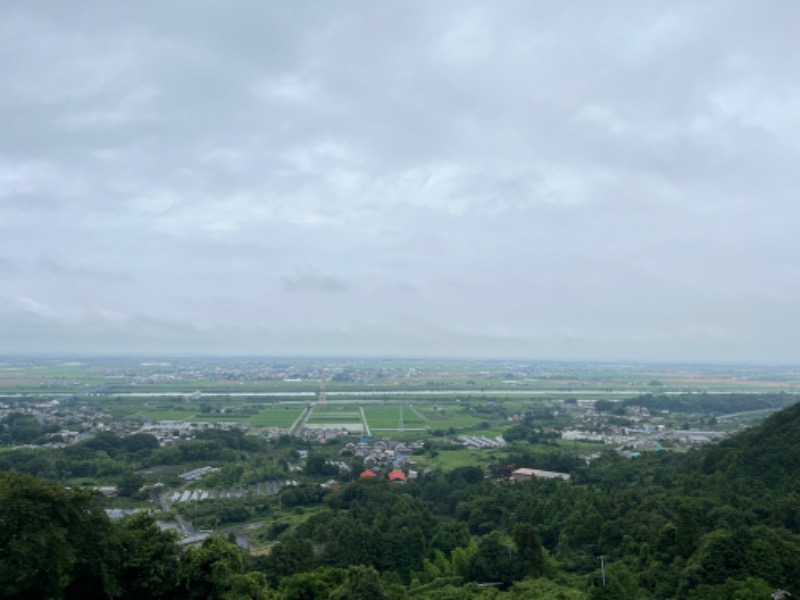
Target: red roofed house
[[368, 473], [397, 476]]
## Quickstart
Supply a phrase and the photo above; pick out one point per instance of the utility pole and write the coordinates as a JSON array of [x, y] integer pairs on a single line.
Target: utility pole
[[603, 568]]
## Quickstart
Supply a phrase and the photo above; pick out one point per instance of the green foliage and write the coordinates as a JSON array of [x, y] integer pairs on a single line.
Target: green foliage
[[750, 588], [621, 584], [711, 403], [494, 561], [529, 549], [149, 559], [544, 589], [20, 428], [129, 484], [316, 585], [361, 583], [449, 535], [351, 542], [53, 540], [139, 443], [210, 513], [604, 405], [217, 570], [302, 495], [317, 465], [765, 455], [288, 558], [702, 525]]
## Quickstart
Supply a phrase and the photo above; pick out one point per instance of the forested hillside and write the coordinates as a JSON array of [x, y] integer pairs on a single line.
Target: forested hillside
[[723, 522]]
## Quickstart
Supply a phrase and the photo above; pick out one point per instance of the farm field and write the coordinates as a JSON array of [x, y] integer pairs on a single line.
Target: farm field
[[225, 418], [165, 415], [276, 417], [383, 418], [388, 417], [421, 416], [347, 416], [452, 459], [53, 376], [334, 412], [443, 416]]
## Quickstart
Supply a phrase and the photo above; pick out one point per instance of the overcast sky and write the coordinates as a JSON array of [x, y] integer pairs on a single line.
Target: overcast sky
[[533, 179]]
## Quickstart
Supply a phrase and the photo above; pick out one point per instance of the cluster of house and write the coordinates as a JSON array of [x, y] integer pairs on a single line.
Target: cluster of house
[[677, 437], [342, 466], [583, 436], [77, 423], [383, 454], [321, 435], [644, 435], [647, 437], [173, 432]]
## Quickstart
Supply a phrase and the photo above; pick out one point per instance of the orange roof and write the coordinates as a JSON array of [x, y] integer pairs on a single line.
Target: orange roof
[[397, 475], [368, 473]]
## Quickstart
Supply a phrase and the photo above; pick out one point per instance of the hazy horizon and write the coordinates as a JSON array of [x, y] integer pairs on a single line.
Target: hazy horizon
[[78, 358]]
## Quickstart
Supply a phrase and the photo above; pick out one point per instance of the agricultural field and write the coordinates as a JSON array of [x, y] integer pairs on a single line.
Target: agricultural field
[[379, 379], [165, 415], [347, 416], [224, 418], [382, 417], [338, 412], [276, 417], [453, 459], [444, 416], [389, 417], [405, 420]]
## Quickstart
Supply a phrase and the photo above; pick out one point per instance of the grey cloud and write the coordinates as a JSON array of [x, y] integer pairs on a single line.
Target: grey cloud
[[310, 280], [95, 332], [538, 179], [7, 266], [53, 267]]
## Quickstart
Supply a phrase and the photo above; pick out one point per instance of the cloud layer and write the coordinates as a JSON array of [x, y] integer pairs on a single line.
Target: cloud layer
[[525, 179]]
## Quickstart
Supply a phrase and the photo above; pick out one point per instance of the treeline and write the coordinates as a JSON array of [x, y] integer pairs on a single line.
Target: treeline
[[19, 429], [58, 543], [708, 403], [108, 455]]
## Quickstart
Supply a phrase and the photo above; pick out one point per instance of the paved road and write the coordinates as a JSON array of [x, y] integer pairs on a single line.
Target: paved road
[[301, 420], [364, 423], [186, 526]]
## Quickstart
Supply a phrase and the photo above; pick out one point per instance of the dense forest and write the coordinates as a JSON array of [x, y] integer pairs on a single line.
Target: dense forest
[[722, 522]]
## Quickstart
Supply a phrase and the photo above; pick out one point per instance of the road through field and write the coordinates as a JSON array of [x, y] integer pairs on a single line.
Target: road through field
[[419, 414], [300, 420], [367, 431]]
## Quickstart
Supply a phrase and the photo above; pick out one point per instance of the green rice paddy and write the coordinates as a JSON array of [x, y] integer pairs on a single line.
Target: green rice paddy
[[276, 417]]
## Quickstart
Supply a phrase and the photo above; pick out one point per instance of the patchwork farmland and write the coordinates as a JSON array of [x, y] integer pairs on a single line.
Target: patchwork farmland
[[336, 416], [408, 416]]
